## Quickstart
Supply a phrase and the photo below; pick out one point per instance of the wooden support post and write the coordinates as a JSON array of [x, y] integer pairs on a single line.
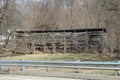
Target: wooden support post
[[44, 43], [54, 48], [14, 49], [86, 44], [103, 43], [54, 43], [44, 47], [65, 46], [34, 47]]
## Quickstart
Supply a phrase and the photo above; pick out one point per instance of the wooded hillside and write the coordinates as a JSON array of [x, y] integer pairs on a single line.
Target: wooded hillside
[[63, 14]]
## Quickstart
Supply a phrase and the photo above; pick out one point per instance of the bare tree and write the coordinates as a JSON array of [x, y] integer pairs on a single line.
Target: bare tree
[[63, 14]]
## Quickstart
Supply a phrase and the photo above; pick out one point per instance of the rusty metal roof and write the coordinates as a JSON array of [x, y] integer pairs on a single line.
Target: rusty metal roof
[[69, 30]]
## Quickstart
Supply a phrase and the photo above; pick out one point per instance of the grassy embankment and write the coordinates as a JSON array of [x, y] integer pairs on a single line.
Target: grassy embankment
[[66, 57]]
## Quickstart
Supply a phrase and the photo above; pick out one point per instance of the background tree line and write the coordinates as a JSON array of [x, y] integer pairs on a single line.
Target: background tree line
[[63, 14]]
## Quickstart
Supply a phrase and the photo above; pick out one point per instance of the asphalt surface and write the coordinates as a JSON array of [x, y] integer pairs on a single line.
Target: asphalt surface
[[16, 77], [68, 76]]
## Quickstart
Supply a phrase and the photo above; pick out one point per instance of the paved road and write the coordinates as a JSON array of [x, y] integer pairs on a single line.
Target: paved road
[[15, 77], [66, 75]]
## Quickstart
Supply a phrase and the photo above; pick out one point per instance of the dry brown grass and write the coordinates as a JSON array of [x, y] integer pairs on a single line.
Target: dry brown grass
[[38, 52], [59, 56]]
